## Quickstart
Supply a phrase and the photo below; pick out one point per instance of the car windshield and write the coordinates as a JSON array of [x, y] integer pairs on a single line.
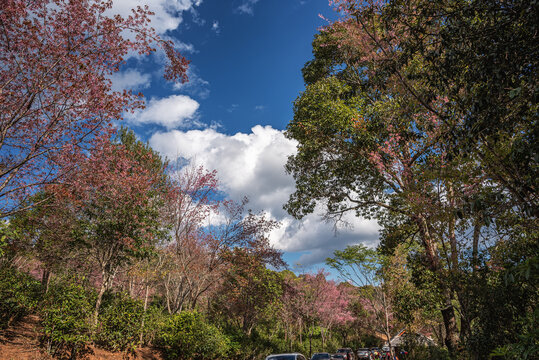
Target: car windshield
[[282, 357], [362, 352], [338, 356], [320, 357]]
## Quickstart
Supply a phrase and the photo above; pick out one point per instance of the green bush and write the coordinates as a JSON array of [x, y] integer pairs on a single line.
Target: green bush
[[155, 320], [188, 336], [19, 294], [67, 312], [119, 322]]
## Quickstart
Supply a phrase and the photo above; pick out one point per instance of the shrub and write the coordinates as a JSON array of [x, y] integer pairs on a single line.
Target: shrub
[[19, 295], [119, 322], [67, 315], [188, 336], [155, 320]]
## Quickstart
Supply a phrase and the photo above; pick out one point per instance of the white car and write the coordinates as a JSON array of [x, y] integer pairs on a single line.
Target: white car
[[291, 356]]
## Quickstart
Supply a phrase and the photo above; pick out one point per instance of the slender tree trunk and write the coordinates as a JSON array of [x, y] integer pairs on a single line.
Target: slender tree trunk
[[448, 311], [386, 316], [452, 235], [106, 283], [45, 280], [132, 286], [167, 294], [144, 313], [102, 290]]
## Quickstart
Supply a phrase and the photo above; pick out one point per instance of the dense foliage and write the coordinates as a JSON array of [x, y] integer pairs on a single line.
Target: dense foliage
[[423, 115], [188, 336], [420, 114], [67, 308], [19, 295]]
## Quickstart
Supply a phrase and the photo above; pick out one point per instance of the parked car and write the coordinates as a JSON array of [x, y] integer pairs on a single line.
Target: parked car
[[292, 356], [348, 353], [364, 353], [321, 356], [338, 356], [386, 353]]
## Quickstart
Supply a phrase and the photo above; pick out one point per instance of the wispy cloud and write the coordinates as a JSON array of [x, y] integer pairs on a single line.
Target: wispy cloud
[[130, 79], [196, 86], [184, 47], [260, 108], [232, 108], [215, 27], [247, 7]]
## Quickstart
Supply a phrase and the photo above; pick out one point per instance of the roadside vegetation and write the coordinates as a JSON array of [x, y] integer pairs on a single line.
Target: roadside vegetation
[[420, 114]]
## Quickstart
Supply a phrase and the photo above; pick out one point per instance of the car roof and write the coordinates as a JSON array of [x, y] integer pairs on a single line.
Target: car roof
[[283, 354], [295, 355]]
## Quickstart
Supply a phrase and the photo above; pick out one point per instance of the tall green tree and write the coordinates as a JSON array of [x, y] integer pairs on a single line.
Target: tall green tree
[[483, 56], [378, 131]]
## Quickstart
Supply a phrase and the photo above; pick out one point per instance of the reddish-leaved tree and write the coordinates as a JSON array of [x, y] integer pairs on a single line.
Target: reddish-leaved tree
[[56, 58], [115, 195]]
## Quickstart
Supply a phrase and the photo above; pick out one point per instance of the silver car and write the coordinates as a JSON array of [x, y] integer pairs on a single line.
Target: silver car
[[291, 356]]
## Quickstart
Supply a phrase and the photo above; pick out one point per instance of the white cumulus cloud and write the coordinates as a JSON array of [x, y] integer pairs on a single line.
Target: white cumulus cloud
[[252, 164], [171, 112], [168, 13]]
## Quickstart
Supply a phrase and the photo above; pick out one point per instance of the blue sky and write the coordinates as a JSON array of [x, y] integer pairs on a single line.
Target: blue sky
[[246, 59], [253, 63]]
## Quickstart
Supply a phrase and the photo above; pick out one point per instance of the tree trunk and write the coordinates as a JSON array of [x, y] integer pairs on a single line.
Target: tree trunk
[[450, 323], [168, 295], [386, 315], [45, 280], [102, 290], [132, 286], [106, 283], [448, 311], [144, 314]]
